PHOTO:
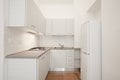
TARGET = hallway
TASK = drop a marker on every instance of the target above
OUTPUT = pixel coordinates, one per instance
(63, 76)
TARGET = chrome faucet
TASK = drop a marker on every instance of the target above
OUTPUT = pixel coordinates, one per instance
(61, 45)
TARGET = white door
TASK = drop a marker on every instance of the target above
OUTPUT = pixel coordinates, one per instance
(85, 37)
(58, 59)
(91, 64)
(84, 66)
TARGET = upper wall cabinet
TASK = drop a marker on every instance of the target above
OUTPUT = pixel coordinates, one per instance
(26, 13)
(69, 26)
(17, 13)
(60, 27)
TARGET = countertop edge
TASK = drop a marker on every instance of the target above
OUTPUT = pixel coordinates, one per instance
(36, 57)
(18, 57)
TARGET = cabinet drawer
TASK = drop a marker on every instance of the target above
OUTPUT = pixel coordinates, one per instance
(70, 57)
(71, 52)
(70, 65)
(70, 62)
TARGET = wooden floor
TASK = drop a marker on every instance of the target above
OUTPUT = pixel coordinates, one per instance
(63, 76)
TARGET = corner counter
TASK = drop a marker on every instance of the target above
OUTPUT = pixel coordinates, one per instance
(28, 65)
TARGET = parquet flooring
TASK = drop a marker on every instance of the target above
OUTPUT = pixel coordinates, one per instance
(63, 76)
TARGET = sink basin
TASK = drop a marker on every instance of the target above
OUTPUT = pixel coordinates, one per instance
(58, 47)
(63, 48)
(37, 49)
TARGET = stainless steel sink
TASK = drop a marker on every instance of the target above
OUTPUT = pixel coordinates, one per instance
(63, 48)
(37, 49)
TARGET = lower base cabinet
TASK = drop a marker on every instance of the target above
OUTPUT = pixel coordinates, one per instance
(62, 59)
(44, 62)
(27, 68)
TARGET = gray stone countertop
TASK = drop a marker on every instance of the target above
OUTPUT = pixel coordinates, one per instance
(29, 54)
(65, 48)
(37, 53)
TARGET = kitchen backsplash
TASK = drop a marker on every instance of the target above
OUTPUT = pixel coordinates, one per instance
(17, 40)
(53, 41)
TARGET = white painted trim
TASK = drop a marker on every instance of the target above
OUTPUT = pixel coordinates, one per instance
(64, 69)
(1, 40)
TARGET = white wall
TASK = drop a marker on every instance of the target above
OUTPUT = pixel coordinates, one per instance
(52, 41)
(77, 22)
(17, 40)
(94, 11)
(1, 41)
(84, 5)
(111, 39)
(56, 1)
(79, 18)
(81, 8)
(57, 10)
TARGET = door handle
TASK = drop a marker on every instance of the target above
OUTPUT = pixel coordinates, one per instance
(86, 53)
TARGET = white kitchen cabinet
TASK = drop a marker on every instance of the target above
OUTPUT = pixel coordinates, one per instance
(21, 69)
(24, 13)
(58, 59)
(70, 58)
(17, 13)
(60, 27)
(34, 17)
(91, 51)
(62, 59)
(69, 26)
(49, 27)
(77, 58)
(27, 68)
(44, 62)
(84, 67)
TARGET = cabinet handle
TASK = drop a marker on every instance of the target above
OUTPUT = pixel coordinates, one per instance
(86, 53)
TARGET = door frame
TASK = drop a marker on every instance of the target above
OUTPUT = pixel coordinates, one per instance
(1, 39)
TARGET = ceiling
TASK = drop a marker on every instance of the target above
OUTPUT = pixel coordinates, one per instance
(56, 8)
(56, 1)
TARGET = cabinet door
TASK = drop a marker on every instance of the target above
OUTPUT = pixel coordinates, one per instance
(69, 26)
(58, 26)
(42, 68)
(58, 59)
(17, 13)
(35, 19)
(83, 66)
(21, 69)
(70, 58)
(47, 63)
(77, 58)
